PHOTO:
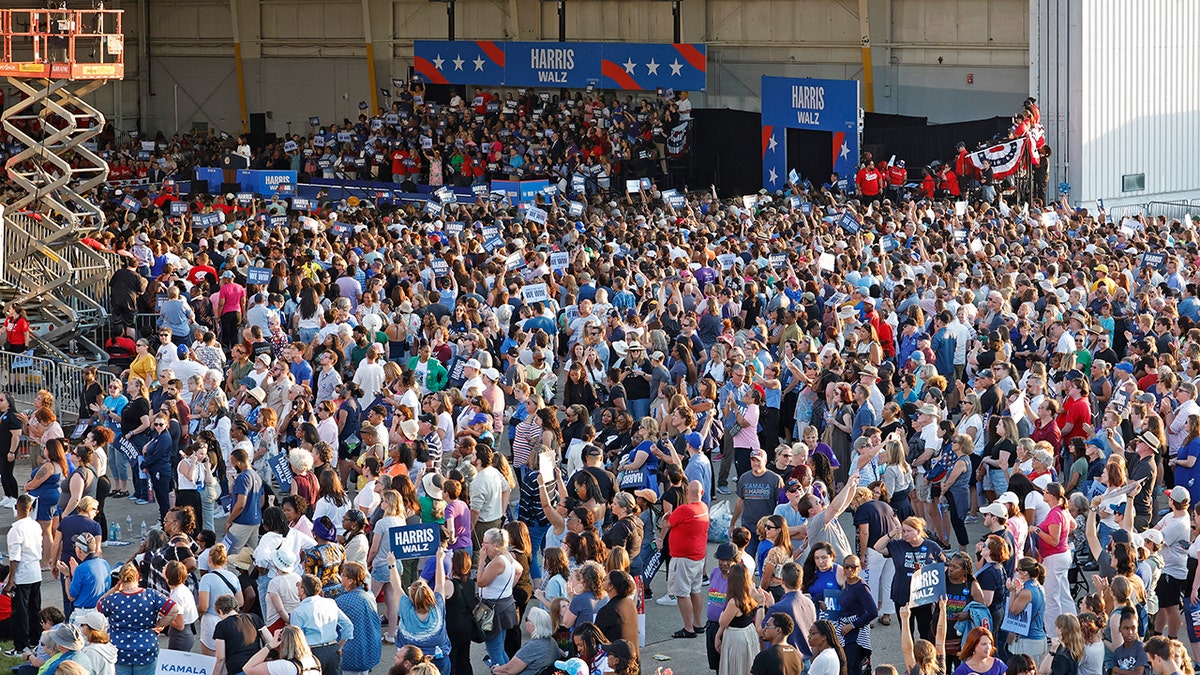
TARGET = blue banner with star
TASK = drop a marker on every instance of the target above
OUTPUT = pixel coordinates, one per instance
(805, 103)
(606, 65)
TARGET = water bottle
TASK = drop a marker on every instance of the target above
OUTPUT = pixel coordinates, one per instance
(437, 653)
(144, 532)
(129, 524)
(112, 531)
(117, 532)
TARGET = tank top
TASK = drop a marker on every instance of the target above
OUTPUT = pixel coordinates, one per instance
(64, 486)
(773, 397)
(184, 481)
(502, 585)
(1037, 627)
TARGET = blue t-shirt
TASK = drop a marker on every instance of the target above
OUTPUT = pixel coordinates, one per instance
(90, 582)
(302, 371)
(248, 483)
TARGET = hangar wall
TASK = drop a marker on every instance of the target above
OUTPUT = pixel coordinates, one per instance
(308, 57)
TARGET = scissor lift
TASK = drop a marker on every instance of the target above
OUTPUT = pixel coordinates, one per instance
(54, 58)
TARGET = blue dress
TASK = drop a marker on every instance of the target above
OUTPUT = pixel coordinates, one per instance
(131, 616)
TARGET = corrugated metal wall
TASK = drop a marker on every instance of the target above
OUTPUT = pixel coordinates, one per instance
(1116, 80)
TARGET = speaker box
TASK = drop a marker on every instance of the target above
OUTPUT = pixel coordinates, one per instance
(258, 130)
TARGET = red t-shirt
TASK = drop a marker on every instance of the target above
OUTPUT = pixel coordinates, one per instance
(1074, 411)
(689, 531)
(16, 330)
(1055, 517)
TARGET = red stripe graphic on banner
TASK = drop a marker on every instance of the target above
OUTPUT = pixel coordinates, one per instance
(766, 139)
(617, 74)
(493, 52)
(692, 56)
(424, 67)
(838, 137)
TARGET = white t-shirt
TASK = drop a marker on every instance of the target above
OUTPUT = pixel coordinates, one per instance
(825, 663)
(366, 499)
(186, 602)
(487, 494)
(281, 667)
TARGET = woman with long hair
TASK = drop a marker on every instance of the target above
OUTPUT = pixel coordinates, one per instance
(97, 440)
(381, 567)
(910, 550)
(897, 478)
(46, 485)
(778, 555)
(1067, 648)
(460, 623)
(828, 656)
(421, 620)
(737, 638)
(923, 657)
(520, 547)
(332, 500)
(294, 655)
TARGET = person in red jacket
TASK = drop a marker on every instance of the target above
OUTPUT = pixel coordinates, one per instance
(928, 186)
(948, 182)
(867, 180)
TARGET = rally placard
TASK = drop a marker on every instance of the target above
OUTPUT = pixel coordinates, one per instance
(179, 208)
(206, 220)
(440, 268)
(446, 195)
(514, 261)
(849, 223)
(559, 260)
(175, 662)
(1017, 623)
(492, 243)
(301, 204)
(532, 293)
(454, 228)
(575, 209)
(433, 208)
(779, 260)
(129, 203)
(928, 585)
(726, 260)
(127, 448)
(578, 184)
(415, 541)
(1154, 259)
(314, 121)
(480, 189)
(633, 185)
(279, 221)
(282, 470)
(290, 146)
(258, 275)
(793, 176)
(806, 208)
(536, 215)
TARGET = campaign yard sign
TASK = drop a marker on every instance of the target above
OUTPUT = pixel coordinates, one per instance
(415, 541)
(282, 470)
(1017, 624)
(258, 275)
(175, 662)
(928, 585)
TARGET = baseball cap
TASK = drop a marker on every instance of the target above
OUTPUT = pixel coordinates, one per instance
(759, 453)
(593, 451)
(694, 439)
(1121, 536)
(1153, 536)
(995, 509)
(1127, 367)
(726, 551)
(1180, 494)
(472, 363)
(1009, 498)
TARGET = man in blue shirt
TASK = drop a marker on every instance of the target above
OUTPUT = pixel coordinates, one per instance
(698, 468)
(326, 627)
(89, 573)
(797, 605)
(943, 344)
(246, 513)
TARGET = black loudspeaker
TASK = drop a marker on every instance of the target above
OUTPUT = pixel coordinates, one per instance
(258, 130)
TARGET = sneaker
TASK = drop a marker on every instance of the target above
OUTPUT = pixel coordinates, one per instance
(13, 652)
(667, 601)
(971, 519)
(724, 490)
(132, 498)
(141, 502)
(8, 502)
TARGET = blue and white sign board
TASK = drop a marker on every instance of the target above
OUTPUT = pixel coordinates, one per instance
(282, 470)
(179, 208)
(454, 228)
(849, 223)
(803, 103)
(928, 585)
(206, 220)
(609, 65)
(532, 293)
(175, 662)
(130, 203)
(301, 204)
(265, 182)
(1017, 623)
(258, 275)
(415, 541)
(440, 267)
(575, 209)
(536, 215)
(559, 260)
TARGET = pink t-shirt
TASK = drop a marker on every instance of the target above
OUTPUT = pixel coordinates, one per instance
(233, 295)
(747, 436)
(1057, 516)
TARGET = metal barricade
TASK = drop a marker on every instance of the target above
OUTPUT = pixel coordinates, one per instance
(22, 377)
(1174, 210)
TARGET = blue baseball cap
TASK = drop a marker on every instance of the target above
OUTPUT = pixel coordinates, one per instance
(695, 440)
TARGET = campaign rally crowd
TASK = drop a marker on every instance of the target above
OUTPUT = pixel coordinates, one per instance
(575, 396)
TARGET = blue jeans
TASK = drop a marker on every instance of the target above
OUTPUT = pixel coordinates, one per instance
(118, 465)
(639, 408)
(442, 664)
(147, 669)
(537, 533)
(263, 582)
(495, 648)
(307, 335)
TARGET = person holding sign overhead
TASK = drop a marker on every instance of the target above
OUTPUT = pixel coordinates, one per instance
(422, 611)
(923, 657)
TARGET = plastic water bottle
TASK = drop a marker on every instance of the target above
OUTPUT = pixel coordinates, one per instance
(437, 653)
(116, 532)
(144, 531)
(129, 525)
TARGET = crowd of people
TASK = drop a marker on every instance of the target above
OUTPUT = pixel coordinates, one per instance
(831, 387)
